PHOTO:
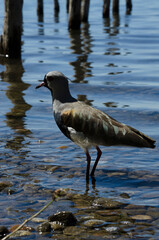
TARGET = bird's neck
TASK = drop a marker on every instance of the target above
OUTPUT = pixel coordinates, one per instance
(62, 96)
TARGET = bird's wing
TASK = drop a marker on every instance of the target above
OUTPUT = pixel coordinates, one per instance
(100, 128)
(93, 123)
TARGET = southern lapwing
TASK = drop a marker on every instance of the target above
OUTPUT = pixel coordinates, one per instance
(87, 126)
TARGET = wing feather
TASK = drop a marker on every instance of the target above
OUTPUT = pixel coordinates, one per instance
(102, 129)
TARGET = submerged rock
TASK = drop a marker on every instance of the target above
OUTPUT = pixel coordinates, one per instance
(108, 203)
(73, 231)
(38, 220)
(21, 233)
(125, 195)
(4, 185)
(93, 223)
(58, 193)
(25, 228)
(57, 226)
(112, 229)
(44, 227)
(3, 231)
(141, 217)
(67, 218)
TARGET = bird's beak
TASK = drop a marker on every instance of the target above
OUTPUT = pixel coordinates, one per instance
(40, 85)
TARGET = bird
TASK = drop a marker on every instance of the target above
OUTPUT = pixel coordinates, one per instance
(87, 126)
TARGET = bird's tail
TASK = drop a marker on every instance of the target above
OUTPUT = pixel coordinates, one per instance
(143, 140)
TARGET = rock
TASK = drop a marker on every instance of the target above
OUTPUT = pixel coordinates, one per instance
(63, 147)
(10, 191)
(125, 195)
(126, 222)
(59, 193)
(57, 226)
(151, 211)
(44, 227)
(53, 169)
(29, 187)
(67, 218)
(25, 228)
(39, 220)
(141, 217)
(4, 185)
(85, 218)
(3, 231)
(107, 203)
(114, 174)
(93, 223)
(73, 231)
(21, 233)
(112, 229)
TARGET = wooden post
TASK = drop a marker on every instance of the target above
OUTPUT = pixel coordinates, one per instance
(106, 7)
(40, 8)
(115, 7)
(56, 11)
(85, 10)
(128, 6)
(56, 6)
(67, 6)
(74, 14)
(10, 43)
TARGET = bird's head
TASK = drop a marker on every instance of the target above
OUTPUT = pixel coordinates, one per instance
(54, 80)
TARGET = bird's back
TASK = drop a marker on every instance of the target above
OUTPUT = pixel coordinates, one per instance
(100, 128)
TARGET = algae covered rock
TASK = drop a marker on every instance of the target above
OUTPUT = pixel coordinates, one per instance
(67, 218)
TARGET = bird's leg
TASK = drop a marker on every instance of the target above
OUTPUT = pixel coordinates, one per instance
(99, 153)
(88, 165)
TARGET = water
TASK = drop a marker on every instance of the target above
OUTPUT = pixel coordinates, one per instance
(114, 67)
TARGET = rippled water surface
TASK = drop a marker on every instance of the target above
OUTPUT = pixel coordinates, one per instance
(114, 66)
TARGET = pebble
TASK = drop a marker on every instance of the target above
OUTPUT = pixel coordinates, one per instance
(62, 147)
(67, 218)
(98, 218)
(21, 233)
(4, 185)
(38, 220)
(29, 187)
(125, 195)
(44, 227)
(93, 223)
(14, 227)
(107, 203)
(60, 193)
(73, 230)
(57, 226)
(125, 222)
(53, 169)
(112, 229)
(141, 217)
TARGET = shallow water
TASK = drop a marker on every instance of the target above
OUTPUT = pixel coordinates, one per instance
(113, 66)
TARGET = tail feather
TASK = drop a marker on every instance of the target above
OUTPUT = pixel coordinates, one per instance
(146, 141)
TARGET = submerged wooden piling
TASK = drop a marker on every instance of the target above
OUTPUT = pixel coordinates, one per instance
(74, 14)
(106, 8)
(84, 10)
(67, 6)
(40, 7)
(40, 11)
(56, 6)
(128, 6)
(115, 7)
(11, 37)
